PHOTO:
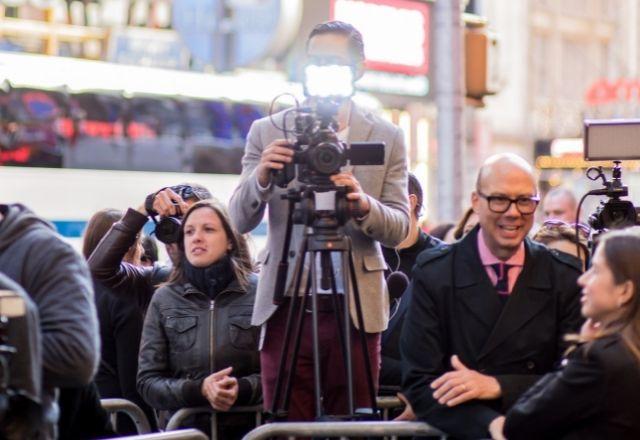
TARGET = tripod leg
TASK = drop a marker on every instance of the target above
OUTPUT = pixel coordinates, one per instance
(363, 337)
(276, 409)
(347, 333)
(296, 345)
(314, 330)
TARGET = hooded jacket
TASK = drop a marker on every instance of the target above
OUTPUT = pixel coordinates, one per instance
(57, 280)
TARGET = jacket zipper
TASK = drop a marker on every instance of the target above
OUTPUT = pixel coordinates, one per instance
(212, 338)
(212, 332)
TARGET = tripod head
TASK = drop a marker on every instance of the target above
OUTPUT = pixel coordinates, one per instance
(321, 206)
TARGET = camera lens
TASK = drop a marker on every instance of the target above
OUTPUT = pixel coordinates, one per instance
(168, 230)
(326, 158)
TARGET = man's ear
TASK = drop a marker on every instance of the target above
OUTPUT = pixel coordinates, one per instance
(475, 200)
(413, 202)
(358, 70)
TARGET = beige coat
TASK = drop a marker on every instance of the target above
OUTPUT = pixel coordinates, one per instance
(387, 222)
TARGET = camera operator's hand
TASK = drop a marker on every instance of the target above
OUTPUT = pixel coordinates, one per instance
(166, 203)
(220, 389)
(273, 157)
(355, 194)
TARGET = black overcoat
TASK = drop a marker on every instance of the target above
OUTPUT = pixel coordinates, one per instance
(456, 310)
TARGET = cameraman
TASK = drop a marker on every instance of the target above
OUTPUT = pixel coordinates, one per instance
(380, 194)
(106, 260)
(57, 280)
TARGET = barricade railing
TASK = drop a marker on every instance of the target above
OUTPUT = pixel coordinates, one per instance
(183, 434)
(115, 406)
(181, 415)
(342, 430)
(387, 403)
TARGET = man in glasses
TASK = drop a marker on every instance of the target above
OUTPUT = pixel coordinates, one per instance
(489, 312)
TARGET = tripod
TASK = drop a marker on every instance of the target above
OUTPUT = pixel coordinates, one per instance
(323, 238)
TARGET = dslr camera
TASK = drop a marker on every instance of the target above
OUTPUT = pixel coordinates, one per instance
(318, 152)
(168, 228)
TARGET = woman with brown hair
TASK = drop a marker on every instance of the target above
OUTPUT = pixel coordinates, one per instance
(561, 236)
(596, 393)
(120, 319)
(466, 223)
(198, 346)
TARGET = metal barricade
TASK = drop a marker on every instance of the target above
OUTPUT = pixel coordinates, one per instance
(115, 406)
(181, 415)
(183, 434)
(342, 430)
(387, 403)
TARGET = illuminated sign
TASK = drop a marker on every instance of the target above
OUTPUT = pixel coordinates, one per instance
(395, 32)
(394, 83)
(605, 91)
(563, 146)
(574, 161)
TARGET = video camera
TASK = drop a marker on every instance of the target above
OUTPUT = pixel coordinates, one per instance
(318, 152)
(21, 412)
(615, 140)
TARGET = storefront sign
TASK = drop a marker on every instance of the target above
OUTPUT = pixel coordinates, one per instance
(148, 47)
(395, 32)
(605, 91)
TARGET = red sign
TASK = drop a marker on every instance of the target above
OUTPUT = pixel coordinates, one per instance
(605, 91)
(395, 32)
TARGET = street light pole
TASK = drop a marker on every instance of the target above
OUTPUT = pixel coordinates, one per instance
(449, 77)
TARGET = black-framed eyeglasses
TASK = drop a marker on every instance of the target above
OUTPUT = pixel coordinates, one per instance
(501, 204)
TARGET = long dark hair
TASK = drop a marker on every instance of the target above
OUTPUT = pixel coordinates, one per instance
(239, 255)
(622, 254)
(459, 230)
(98, 226)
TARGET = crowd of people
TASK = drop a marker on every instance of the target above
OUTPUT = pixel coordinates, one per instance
(500, 333)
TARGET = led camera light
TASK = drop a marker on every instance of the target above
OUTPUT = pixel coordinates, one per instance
(328, 81)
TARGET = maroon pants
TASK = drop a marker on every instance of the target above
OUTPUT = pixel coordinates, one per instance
(332, 367)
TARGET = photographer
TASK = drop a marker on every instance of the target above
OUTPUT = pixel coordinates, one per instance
(121, 322)
(380, 194)
(57, 280)
(106, 261)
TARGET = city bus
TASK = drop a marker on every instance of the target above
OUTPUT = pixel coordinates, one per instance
(77, 136)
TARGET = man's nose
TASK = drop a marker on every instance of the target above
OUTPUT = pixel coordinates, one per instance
(513, 210)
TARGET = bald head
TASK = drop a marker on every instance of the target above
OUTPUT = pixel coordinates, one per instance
(505, 200)
(560, 204)
(499, 165)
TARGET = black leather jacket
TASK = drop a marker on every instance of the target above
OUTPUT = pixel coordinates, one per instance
(107, 267)
(187, 336)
